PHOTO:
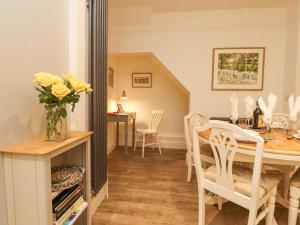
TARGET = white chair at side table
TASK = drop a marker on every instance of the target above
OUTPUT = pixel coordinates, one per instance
(151, 130)
(248, 188)
(192, 120)
(294, 199)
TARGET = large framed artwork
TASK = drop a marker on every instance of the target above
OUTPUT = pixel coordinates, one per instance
(142, 80)
(240, 69)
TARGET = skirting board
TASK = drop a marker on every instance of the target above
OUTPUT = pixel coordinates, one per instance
(169, 142)
(98, 199)
(110, 148)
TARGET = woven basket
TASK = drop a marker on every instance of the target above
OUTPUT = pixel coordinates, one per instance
(64, 177)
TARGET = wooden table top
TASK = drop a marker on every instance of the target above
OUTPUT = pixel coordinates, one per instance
(282, 146)
(42, 147)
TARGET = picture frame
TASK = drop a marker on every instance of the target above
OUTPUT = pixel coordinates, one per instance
(110, 77)
(238, 69)
(142, 80)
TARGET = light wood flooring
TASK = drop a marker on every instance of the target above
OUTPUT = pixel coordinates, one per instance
(154, 191)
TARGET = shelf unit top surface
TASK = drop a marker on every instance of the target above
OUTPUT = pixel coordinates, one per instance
(42, 147)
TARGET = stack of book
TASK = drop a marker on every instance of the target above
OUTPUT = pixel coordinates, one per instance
(66, 204)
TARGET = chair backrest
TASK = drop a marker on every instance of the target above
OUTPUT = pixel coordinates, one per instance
(280, 120)
(192, 120)
(223, 139)
(155, 119)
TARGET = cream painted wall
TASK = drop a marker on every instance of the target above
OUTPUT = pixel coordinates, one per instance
(292, 75)
(183, 42)
(77, 58)
(112, 94)
(34, 37)
(165, 94)
(289, 83)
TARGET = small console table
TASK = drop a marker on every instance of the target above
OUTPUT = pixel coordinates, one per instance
(125, 118)
(25, 171)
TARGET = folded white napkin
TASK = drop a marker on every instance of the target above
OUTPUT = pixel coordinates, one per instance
(234, 112)
(250, 106)
(268, 109)
(294, 107)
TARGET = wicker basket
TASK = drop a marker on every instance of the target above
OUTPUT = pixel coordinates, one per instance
(64, 177)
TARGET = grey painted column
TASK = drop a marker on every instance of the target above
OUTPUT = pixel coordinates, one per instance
(98, 72)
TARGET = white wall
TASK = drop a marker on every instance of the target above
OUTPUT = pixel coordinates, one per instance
(166, 94)
(77, 54)
(112, 97)
(184, 42)
(292, 71)
(291, 50)
(34, 37)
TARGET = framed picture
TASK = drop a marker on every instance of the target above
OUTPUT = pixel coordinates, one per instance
(142, 80)
(110, 77)
(240, 69)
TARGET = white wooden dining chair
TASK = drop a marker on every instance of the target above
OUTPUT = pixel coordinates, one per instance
(245, 187)
(150, 131)
(280, 120)
(294, 199)
(192, 120)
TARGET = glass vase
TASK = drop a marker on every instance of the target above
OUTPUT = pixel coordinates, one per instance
(57, 124)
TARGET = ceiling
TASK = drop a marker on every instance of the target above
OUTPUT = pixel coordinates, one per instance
(190, 5)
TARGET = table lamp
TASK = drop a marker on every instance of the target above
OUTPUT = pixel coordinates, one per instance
(119, 105)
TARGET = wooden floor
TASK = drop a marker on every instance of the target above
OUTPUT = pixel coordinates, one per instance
(154, 191)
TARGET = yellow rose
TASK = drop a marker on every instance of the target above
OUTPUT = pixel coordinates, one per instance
(60, 90)
(88, 88)
(46, 79)
(77, 84)
(67, 77)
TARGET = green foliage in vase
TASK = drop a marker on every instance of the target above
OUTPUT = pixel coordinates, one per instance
(55, 93)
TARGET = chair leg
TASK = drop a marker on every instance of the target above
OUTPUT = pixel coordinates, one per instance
(294, 204)
(252, 216)
(190, 167)
(220, 203)
(158, 143)
(152, 139)
(135, 141)
(271, 204)
(201, 200)
(143, 150)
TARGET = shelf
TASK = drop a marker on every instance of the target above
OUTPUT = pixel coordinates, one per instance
(75, 215)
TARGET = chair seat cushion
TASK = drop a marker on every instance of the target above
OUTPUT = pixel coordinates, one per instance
(296, 179)
(242, 180)
(146, 131)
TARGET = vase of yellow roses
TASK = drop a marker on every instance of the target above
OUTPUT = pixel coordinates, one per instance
(56, 93)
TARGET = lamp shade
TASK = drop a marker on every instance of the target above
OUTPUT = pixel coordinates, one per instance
(124, 96)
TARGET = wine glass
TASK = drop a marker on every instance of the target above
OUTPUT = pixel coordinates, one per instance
(268, 122)
(234, 119)
(249, 116)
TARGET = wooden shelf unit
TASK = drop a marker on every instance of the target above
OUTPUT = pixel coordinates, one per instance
(27, 177)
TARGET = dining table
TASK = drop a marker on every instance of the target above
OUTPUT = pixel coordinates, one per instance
(282, 152)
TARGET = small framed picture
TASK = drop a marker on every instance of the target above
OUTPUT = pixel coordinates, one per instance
(110, 77)
(238, 69)
(142, 80)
